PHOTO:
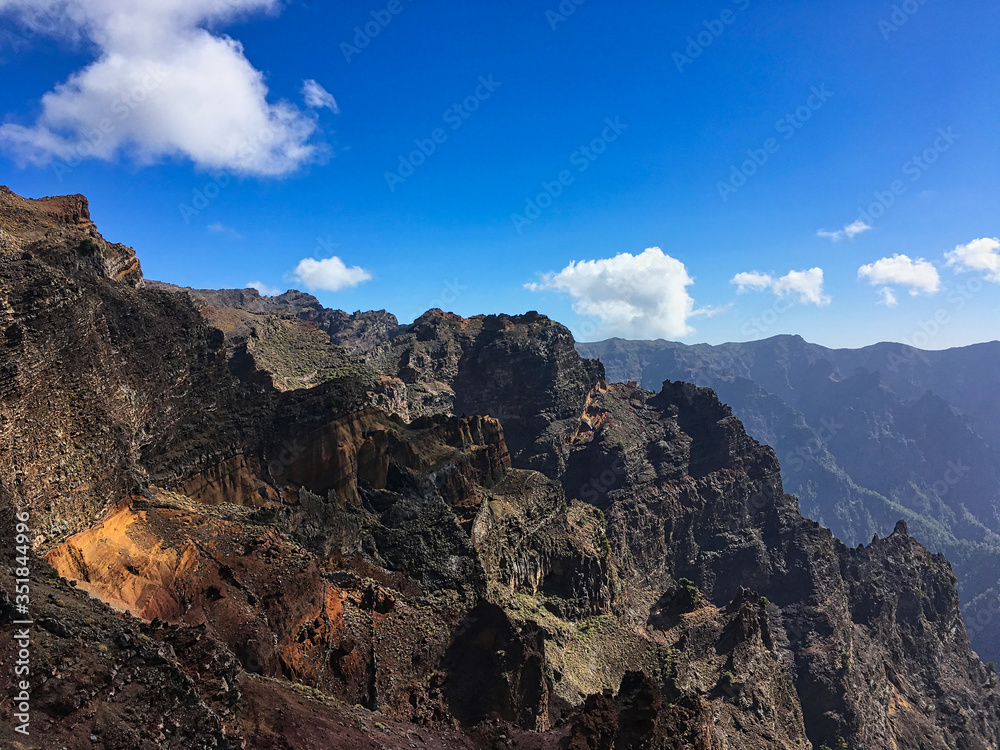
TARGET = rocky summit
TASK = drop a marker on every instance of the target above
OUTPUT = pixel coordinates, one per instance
(259, 523)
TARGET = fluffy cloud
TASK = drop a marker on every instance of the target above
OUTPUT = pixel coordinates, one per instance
(330, 274)
(318, 97)
(850, 231)
(979, 255)
(162, 86)
(808, 285)
(754, 280)
(900, 270)
(642, 295)
(264, 289)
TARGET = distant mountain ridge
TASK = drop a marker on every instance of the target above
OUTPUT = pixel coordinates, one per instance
(865, 436)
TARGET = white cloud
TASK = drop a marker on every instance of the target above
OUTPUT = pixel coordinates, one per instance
(808, 285)
(851, 231)
(855, 228)
(887, 297)
(162, 86)
(642, 295)
(329, 274)
(318, 97)
(900, 270)
(979, 255)
(264, 289)
(752, 280)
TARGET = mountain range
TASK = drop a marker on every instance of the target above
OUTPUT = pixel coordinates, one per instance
(865, 437)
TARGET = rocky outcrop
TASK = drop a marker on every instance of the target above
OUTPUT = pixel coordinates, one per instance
(522, 370)
(865, 437)
(291, 341)
(59, 231)
(98, 680)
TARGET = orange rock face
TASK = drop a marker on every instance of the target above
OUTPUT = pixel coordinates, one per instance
(236, 480)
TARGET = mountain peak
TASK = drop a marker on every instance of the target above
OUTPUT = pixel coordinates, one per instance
(58, 231)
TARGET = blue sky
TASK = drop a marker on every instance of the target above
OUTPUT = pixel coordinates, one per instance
(635, 114)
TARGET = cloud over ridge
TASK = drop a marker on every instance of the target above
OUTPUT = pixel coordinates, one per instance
(329, 274)
(642, 295)
(918, 275)
(807, 285)
(982, 254)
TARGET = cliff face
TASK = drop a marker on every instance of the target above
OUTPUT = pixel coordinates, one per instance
(521, 369)
(58, 231)
(865, 437)
(514, 554)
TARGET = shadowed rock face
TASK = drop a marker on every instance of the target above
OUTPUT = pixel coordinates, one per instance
(865, 437)
(520, 369)
(515, 555)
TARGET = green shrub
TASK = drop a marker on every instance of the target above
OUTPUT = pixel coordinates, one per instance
(845, 661)
(691, 592)
(603, 545)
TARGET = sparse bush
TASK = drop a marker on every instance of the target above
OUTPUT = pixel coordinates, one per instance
(88, 247)
(691, 592)
(845, 661)
(602, 544)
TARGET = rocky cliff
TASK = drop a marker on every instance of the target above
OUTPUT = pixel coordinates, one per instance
(866, 437)
(456, 535)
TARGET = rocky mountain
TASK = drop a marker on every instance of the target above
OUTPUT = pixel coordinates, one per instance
(866, 437)
(258, 523)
